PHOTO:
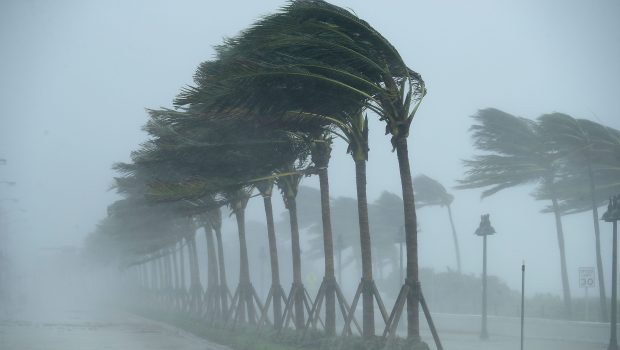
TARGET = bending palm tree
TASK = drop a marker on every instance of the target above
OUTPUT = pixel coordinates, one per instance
(517, 154)
(430, 192)
(581, 143)
(309, 47)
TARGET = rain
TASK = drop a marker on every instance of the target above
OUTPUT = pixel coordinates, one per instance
(309, 174)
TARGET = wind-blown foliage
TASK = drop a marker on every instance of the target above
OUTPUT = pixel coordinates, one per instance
(429, 192)
(516, 153)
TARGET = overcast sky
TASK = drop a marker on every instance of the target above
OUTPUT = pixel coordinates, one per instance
(76, 76)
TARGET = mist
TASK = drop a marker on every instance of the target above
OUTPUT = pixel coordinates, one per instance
(78, 78)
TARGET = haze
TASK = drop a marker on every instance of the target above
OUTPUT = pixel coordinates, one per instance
(76, 77)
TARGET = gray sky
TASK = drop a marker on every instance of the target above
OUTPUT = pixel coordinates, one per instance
(77, 75)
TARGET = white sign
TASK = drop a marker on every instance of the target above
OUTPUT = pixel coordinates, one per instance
(586, 277)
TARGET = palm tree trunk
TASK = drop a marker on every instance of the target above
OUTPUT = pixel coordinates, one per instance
(145, 276)
(296, 251)
(212, 278)
(599, 261)
(411, 238)
(560, 236)
(245, 294)
(162, 275)
(153, 275)
(368, 326)
(457, 250)
(195, 269)
(182, 263)
(222, 265)
(328, 249)
(195, 287)
(275, 268)
(170, 269)
(175, 269)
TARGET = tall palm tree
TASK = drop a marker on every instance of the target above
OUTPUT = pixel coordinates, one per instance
(289, 185)
(581, 144)
(321, 154)
(516, 153)
(276, 293)
(212, 308)
(430, 192)
(309, 46)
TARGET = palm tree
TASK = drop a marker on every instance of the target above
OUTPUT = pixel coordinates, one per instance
(430, 192)
(212, 309)
(581, 142)
(289, 185)
(276, 293)
(516, 154)
(587, 150)
(310, 46)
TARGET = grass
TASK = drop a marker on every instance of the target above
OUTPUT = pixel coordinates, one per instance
(246, 337)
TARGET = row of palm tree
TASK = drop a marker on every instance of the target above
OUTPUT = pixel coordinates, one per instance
(265, 112)
(575, 164)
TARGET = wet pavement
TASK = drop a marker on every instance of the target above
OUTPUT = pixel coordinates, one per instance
(57, 327)
(92, 329)
(462, 332)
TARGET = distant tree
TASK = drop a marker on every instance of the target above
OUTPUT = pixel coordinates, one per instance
(429, 192)
(585, 147)
(516, 153)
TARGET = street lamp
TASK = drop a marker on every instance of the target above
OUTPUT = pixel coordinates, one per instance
(485, 229)
(613, 215)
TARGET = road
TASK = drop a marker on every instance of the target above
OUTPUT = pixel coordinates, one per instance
(56, 327)
(461, 332)
(92, 329)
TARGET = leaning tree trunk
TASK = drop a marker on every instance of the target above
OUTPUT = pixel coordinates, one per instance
(182, 265)
(275, 269)
(222, 265)
(560, 235)
(457, 250)
(328, 249)
(244, 271)
(212, 278)
(368, 327)
(599, 261)
(195, 286)
(411, 238)
(296, 252)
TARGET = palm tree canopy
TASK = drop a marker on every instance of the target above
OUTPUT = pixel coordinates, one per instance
(516, 153)
(429, 191)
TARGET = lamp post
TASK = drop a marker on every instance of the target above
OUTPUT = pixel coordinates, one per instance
(613, 215)
(485, 229)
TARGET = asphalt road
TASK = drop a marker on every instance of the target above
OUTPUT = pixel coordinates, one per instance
(462, 332)
(92, 329)
(54, 327)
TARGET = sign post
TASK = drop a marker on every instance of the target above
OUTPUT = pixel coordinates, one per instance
(586, 280)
